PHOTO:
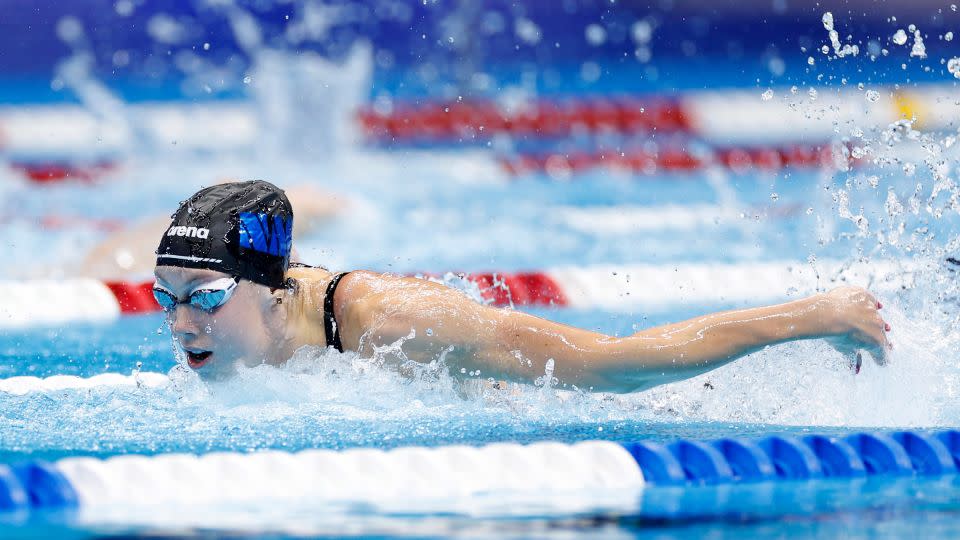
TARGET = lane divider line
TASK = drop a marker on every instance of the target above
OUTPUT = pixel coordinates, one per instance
(438, 473)
(615, 288)
(23, 385)
(727, 116)
(683, 160)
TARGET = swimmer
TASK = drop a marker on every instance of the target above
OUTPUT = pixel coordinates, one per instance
(232, 297)
(128, 253)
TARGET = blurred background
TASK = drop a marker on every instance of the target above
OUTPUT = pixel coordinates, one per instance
(202, 50)
(461, 128)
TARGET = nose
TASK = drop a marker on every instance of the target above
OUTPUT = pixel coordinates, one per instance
(183, 323)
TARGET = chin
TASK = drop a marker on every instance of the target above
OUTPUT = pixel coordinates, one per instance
(252, 363)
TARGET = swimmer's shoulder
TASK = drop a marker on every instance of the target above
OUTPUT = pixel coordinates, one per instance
(315, 281)
(308, 274)
(358, 291)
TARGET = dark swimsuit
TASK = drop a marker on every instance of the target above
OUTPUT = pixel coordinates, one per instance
(330, 326)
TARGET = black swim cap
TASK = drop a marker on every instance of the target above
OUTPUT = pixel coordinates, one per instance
(244, 229)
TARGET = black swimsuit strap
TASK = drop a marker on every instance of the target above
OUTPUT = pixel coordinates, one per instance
(329, 321)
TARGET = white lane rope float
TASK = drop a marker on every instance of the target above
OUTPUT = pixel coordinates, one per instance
(103, 489)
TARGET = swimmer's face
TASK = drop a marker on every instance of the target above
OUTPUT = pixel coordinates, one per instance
(238, 332)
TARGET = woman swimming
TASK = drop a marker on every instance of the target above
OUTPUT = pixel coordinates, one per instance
(232, 298)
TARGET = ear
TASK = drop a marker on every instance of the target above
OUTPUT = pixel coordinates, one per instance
(277, 303)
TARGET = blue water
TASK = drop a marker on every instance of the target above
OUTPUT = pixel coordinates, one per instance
(418, 211)
(326, 402)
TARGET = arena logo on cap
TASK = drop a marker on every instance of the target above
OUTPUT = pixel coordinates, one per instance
(192, 232)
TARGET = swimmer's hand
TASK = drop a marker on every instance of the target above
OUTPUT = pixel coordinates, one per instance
(854, 324)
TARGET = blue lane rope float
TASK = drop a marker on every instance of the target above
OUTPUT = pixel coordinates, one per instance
(837, 458)
(461, 470)
(747, 460)
(881, 454)
(45, 486)
(13, 496)
(792, 459)
(927, 454)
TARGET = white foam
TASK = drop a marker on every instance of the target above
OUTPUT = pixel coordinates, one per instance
(810, 384)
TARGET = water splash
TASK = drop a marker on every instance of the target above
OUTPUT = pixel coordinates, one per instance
(807, 383)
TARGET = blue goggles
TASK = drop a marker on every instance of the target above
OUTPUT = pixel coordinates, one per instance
(207, 297)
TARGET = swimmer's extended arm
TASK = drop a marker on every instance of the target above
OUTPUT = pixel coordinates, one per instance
(514, 345)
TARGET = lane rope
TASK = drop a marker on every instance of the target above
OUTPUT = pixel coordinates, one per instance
(23, 385)
(614, 288)
(421, 473)
(679, 159)
(727, 116)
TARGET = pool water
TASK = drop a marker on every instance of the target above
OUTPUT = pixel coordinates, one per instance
(451, 208)
(327, 400)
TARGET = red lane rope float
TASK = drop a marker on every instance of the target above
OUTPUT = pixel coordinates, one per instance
(53, 172)
(134, 297)
(640, 160)
(546, 118)
(677, 159)
(517, 289)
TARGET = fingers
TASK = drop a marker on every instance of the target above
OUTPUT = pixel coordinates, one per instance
(872, 336)
(879, 355)
(849, 351)
(881, 351)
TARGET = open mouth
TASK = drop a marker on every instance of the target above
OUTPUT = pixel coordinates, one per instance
(198, 359)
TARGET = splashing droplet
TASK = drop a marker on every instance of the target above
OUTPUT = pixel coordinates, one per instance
(828, 20)
(953, 66)
(918, 50)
